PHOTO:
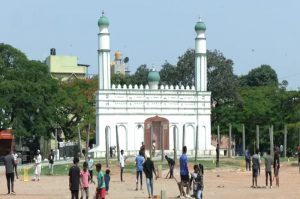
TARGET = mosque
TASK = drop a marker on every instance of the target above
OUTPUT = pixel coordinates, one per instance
(169, 115)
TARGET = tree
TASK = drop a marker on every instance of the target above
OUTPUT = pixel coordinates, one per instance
(140, 76)
(76, 105)
(262, 76)
(27, 94)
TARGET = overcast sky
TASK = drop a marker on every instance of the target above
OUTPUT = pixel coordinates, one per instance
(250, 33)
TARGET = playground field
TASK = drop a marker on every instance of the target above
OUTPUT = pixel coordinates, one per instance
(219, 184)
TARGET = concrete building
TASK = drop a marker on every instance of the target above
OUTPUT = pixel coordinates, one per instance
(169, 115)
(65, 68)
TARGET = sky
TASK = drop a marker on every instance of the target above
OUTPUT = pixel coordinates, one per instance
(250, 33)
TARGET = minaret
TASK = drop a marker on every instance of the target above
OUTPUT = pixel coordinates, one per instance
(200, 57)
(103, 73)
(103, 53)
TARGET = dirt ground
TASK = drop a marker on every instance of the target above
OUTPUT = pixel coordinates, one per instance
(219, 184)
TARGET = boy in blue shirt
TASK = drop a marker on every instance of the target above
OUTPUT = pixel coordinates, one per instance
(139, 160)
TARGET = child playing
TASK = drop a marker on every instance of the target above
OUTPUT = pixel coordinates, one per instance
(197, 179)
(100, 192)
(84, 181)
(106, 180)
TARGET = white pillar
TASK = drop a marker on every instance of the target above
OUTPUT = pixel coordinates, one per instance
(200, 58)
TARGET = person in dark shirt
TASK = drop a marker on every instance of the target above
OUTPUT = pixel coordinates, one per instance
(148, 168)
(248, 160)
(74, 179)
(107, 180)
(171, 164)
(255, 169)
(9, 171)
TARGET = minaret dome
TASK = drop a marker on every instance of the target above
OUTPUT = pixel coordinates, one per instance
(103, 21)
(200, 26)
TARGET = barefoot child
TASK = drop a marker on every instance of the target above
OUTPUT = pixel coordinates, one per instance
(84, 181)
(100, 192)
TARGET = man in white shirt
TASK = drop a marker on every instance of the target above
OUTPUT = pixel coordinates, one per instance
(122, 164)
(38, 166)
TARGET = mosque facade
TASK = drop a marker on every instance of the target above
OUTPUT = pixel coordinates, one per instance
(170, 116)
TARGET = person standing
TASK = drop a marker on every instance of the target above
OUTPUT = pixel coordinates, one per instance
(197, 179)
(100, 193)
(171, 164)
(51, 161)
(16, 164)
(91, 167)
(268, 168)
(84, 181)
(217, 155)
(255, 169)
(139, 160)
(148, 168)
(142, 149)
(248, 160)
(276, 165)
(38, 166)
(122, 164)
(107, 180)
(184, 173)
(9, 172)
(74, 179)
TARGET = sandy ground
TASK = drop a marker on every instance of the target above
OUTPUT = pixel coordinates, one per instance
(231, 184)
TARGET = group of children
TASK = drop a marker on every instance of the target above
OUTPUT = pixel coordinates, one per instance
(80, 180)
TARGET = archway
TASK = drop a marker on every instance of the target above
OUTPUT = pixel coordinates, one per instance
(159, 125)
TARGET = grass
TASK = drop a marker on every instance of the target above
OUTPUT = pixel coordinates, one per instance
(228, 163)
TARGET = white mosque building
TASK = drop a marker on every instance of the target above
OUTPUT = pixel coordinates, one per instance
(174, 115)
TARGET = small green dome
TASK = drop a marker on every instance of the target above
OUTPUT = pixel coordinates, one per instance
(103, 21)
(153, 76)
(200, 26)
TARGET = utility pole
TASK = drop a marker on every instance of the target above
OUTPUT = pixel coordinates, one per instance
(229, 143)
(244, 140)
(79, 141)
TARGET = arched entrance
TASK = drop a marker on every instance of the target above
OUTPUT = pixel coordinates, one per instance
(160, 131)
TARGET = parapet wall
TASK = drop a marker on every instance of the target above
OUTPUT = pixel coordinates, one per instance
(161, 87)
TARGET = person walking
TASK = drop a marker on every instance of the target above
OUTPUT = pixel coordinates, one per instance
(171, 164)
(255, 169)
(51, 161)
(148, 168)
(139, 160)
(91, 167)
(268, 168)
(122, 164)
(74, 179)
(276, 165)
(184, 173)
(9, 172)
(248, 160)
(38, 166)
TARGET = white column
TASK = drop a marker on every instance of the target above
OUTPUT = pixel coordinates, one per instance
(200, 62)
(104, 58)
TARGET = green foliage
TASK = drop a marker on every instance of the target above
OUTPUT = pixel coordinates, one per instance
(261, 76)
(76, 106)
(27, 94)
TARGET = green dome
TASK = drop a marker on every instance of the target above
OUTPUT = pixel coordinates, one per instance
(153, 76)
(103, 21)
(200, 26)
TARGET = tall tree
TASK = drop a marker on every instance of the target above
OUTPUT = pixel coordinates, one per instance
(27, 94)
(262, 76)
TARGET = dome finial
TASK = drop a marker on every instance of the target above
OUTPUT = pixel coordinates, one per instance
(102, 13)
